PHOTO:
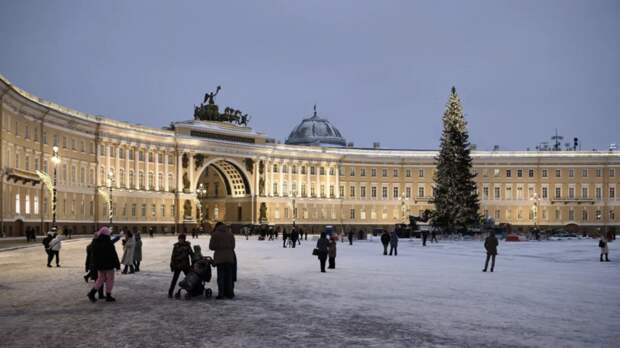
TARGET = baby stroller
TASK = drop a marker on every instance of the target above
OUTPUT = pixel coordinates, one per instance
(194, 281)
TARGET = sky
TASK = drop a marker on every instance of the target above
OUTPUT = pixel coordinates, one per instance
(380, 71)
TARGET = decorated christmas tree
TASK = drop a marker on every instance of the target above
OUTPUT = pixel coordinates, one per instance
(455, 199)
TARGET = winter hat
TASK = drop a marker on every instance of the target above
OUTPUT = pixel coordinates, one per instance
(104, 231)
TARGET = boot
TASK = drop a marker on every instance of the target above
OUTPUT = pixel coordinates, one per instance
(606, 258)
(601, 257)
(101, 295)
(91, 295)
(109, 298)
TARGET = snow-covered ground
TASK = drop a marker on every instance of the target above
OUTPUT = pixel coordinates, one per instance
(543, 294)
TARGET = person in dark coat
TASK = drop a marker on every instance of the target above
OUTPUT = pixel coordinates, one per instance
(434, 236)
(385, 240)
(322, 246)
(490, 244)
(284, 238)
(223, 245)
(424, 237)
(179, 261)
(137, 253)
(394, 243)
(603, 245)
(294, 236)
(89, 266)
(350, 235)
(105, 261)
(331, 253)
(46, 244)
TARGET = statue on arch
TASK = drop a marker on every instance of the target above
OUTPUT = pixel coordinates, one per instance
(208, 99)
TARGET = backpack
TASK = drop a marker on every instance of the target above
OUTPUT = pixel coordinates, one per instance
(601, 244)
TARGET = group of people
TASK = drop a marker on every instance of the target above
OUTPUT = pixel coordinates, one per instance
(391, 239)
(326, 250)
(224, 258)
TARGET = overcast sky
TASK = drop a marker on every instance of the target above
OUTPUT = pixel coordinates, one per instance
(378, 70)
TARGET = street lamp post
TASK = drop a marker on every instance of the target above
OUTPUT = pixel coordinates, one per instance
(55, 161)
(535, 200)
(403, 207)
(110, 184)
(201, 193)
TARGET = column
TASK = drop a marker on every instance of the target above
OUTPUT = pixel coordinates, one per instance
(281, 176)
(136, 171)
(179, 171)
(255, 192)
(337, 188)
(329, 167)
(308, 180)
(117, 165)
(191, 172)
(127, 183)
(166, 183)
(107, 165)
(318, 178)
(289, 172)
(156, 178)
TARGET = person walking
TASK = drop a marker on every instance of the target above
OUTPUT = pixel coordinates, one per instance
(490, 244)
(151, 231)
(137, 253)
(46, 245)
(105, 261)
(322, 246)
(603, 244)
(331, 253)
(434, 236)
(180, 259)
(424, 237)
(394, 243)
(350, 235)
(294, 236)
(385, 240)
(284, 237)
(223, 245)
(91, 270)
(129, 244)
(54, 247)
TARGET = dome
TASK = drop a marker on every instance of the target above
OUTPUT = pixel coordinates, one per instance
(316, 131)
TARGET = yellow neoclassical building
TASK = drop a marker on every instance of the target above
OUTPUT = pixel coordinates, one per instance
(210, 170)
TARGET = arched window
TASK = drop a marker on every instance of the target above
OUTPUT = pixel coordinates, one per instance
(160, 181)
(141, 180)
(121, 177)
(151, 183)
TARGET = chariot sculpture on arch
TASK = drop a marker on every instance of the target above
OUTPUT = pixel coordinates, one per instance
(209, 111)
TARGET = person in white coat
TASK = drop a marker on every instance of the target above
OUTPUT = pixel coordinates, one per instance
(54, 250)
(129, 244)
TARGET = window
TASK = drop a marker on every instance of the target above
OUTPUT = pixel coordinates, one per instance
(584, 172)
(151, 158)
(384, 172)
(331, 191)
(421, 191)
(530, 173)
(141, 180)
(312, 170)
(558, 173)
(373, 172)
(384, 192)
(363, 172)
(558, 192)
(321, 170)
(170, 182)
(496, 192)
(408, 192)
(408, 173)
(421, 173)
(612, 193)
(363, 191)
(143, 210)
(322, 187)
(612, 172)
(312, 190)
(373, 192)
(352, 171)
(351, 191)
(131, 154)
(519, 173)
(36, 205)
(571, 173)
(151, 183)
(395, 173)
(545, 193)
(163, 210)
(17, 205)
(332, 171)
(153, 210)
(508, 193)
(303, 189)
(599, 193)
(584, 192)
(519, 192)
(27, 202)
(133, 210)
(141, 155)
(395, 191)
(294, 169)
(352, 213)
(571, 192)
(544, 173)
(275, 188)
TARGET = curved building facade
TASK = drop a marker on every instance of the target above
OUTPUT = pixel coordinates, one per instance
(206, 171)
